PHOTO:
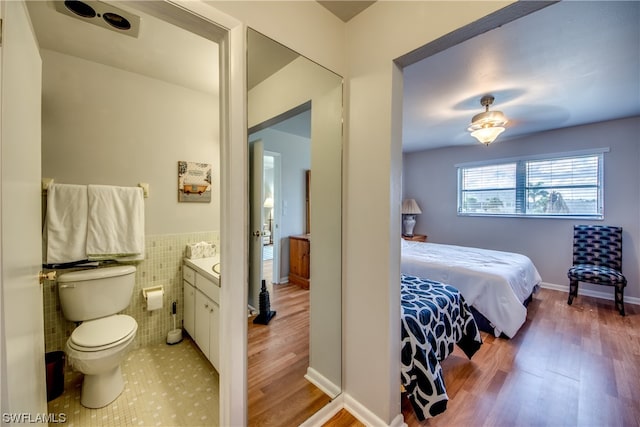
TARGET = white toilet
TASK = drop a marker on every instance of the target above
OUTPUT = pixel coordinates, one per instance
(98, 345)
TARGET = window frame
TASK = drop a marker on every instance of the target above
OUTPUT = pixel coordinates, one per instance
(520, 184)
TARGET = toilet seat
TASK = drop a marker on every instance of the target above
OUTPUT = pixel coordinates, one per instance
(102, 334)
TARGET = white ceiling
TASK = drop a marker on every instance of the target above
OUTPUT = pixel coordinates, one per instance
(568, 64)
(571, 63)
(162, 51)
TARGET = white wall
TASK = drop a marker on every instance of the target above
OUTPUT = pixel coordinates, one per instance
(431, 178)
(380, 34)
(303, 26)
(102, 125)
(293, 85)
(295, 160)
(375, 38)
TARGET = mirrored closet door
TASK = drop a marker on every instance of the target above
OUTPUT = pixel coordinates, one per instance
(295, 111)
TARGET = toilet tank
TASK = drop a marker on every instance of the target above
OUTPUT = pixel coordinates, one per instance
(95, 293)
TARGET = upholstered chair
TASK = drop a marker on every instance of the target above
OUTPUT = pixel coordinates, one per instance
(597, 258)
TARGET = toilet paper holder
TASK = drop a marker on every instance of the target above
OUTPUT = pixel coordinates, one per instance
(145, 291)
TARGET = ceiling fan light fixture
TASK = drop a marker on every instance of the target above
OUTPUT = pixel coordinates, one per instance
(486, 126)
(487, 135)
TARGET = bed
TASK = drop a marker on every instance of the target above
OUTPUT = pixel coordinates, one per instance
(435, 318)
(495, 284)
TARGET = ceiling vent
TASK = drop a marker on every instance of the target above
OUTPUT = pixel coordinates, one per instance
(101, 14)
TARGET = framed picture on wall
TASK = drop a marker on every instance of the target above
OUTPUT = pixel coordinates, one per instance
(194, 182)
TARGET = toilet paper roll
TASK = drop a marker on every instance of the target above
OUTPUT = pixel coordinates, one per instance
(154, 300)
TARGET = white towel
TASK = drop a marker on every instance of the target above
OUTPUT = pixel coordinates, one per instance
(66, 223)
(115, 228)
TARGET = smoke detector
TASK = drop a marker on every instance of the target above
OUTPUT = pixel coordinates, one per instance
(101, 14)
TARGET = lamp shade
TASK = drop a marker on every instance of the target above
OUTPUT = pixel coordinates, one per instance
(410, 207)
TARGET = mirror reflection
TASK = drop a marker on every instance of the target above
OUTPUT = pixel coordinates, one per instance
(294, 298)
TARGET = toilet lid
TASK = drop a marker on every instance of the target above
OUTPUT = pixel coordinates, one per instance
(104, 331)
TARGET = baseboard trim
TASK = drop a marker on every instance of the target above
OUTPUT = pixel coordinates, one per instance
(355, 408)
(325, 413)
(398, 421)
(320, 381)
(365, 416)
(589, 293)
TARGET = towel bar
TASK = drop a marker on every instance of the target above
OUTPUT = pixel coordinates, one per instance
(46, 182)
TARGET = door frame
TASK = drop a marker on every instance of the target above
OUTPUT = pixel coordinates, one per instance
(277, 212)
(256, 221)
(230, 34)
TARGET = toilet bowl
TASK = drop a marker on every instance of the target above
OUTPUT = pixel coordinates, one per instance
(99, 344)
(96, 348)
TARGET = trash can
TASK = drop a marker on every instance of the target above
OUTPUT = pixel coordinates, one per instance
(55, 374)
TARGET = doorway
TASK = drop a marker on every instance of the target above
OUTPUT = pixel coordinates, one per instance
(271, 239)
(124, 140)
(278, 353)
(286, 158)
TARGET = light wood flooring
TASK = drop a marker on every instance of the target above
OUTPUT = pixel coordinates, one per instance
(575, 365)
(278, 357)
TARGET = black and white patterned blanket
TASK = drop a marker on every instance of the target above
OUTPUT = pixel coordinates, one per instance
(434, 318)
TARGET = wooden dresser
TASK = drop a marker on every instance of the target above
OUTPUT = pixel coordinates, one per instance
(299, 259)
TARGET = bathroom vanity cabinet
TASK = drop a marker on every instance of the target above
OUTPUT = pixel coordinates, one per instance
(202, 308)
(207, 314)
(189, 322)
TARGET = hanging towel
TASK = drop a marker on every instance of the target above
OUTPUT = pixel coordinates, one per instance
(115, 228)
(65, 232)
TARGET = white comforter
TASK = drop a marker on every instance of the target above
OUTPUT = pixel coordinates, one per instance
(495, 283)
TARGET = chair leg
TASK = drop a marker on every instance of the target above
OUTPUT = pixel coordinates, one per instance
(619, 297)
(573, 290)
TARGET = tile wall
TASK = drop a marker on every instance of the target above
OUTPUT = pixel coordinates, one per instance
(162, 266)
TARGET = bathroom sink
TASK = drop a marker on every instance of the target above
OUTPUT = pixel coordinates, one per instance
(216, 268)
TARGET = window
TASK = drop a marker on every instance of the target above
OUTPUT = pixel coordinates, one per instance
(562, 185)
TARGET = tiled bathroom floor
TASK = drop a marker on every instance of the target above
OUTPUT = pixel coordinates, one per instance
(165, 385)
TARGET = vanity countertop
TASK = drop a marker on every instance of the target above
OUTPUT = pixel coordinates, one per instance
(204, 266)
